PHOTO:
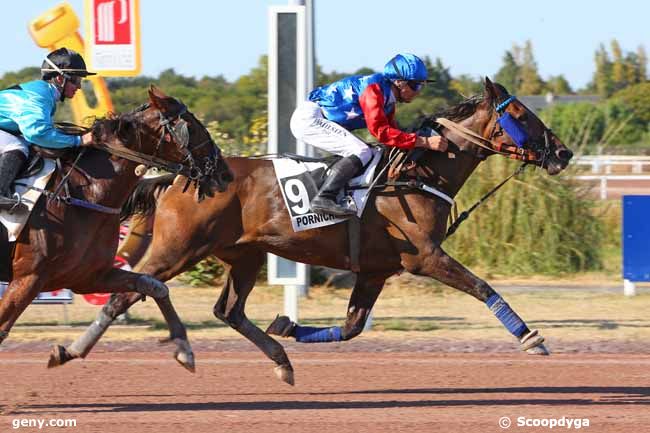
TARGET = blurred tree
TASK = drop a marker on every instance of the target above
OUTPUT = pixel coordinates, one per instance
(531, 83)
(619, 67)
(558, 85)
(643, 63)
(602, 81)
(466, 86)
(508, 74)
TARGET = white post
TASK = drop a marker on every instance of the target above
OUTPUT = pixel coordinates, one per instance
(629, 288)
(603, 188)
(291, 293)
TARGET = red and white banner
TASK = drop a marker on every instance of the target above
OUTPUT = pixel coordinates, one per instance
(113, 37)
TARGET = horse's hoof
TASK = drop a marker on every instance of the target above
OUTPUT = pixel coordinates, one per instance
(184, 355)
(59, 355)
(532, 343)
(538, 350)
(285, 373)
(281, 326)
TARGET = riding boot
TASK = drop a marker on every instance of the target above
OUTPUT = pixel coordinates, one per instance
(10, 164)
(340, 173)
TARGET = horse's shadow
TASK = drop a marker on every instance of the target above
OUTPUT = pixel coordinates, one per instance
(613, 395)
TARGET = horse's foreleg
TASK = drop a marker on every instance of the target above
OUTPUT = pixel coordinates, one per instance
(19, 294)
(230, 308)
(364, 295)
(442, 267)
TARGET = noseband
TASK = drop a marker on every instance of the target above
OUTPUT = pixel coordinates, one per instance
(515, 130)
(178, 130)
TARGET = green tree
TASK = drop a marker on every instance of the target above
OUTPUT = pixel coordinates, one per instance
(531, 83)
(466, 86)
(619, 67)
(643, 63)
(508, 74)
(558, 85)
(602, 81)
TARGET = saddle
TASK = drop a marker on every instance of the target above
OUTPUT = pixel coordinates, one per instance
(32, 167)
(319, 175)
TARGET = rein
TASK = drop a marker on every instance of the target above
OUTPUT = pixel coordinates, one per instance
(465, 214)
(513, 152)
(175, 126)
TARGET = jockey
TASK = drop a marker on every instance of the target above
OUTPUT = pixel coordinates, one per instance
(26, 116)
(333, 110)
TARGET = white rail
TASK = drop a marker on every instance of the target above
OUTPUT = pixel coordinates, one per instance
(597, 162)
(603, 178)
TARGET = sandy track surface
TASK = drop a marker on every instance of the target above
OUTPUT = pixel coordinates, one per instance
(364, 386)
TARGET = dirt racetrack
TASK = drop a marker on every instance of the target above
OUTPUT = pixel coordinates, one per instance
(364, 386)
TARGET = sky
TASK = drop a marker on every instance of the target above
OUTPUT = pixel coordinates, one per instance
(219, 37)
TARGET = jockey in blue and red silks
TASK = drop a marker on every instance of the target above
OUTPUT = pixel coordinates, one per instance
(368, 101)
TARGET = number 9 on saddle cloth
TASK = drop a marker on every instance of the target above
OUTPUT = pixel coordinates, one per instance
(300, 179)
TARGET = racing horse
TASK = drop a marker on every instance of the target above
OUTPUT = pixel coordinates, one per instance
(71, 236)
(402, 228)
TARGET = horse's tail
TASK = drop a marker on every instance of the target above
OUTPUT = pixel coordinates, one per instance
(143, 198)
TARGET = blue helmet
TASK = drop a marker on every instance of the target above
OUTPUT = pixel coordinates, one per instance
(406, 67)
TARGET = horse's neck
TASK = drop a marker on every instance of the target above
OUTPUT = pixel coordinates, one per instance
(449, 171)
(102, 179)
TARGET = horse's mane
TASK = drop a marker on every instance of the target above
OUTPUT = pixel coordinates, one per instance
(460, 111)
(114, 122)
(467, 107)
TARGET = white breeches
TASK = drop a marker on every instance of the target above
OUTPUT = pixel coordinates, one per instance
(309, 125)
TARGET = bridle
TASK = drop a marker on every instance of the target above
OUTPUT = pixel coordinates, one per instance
(503, 122)
(178, 130)
(539, 152)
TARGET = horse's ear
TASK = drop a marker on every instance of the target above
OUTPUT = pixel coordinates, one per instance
(491, 94)
(158, 98)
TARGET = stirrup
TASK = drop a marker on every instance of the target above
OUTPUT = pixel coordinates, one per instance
(331, 207)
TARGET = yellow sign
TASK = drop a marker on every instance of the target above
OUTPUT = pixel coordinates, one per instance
(113, 36)
(57, 28)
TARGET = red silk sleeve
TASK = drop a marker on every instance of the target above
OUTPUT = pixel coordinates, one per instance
(378, 124)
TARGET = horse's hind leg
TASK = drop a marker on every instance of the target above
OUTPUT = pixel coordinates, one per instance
(364, 295)
(81, 347)
(119, 304)
(444, 268)
(230, 308)
(117, 281)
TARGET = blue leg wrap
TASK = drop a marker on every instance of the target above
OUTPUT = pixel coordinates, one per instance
(307, 334)
(504, 313)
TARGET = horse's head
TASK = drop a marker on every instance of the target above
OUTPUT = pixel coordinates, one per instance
(182, 138)
(516, 131)
(164, 134)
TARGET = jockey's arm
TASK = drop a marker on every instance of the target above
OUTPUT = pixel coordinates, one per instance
(378, 124)
(35, 123)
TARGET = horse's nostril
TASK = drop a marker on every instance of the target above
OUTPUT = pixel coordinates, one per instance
(564, 154)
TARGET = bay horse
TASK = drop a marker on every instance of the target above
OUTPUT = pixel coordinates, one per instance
(71, 236)
(402, 229)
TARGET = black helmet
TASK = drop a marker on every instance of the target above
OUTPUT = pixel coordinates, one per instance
(64, 61)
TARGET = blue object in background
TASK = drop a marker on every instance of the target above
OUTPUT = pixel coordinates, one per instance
(636, 237)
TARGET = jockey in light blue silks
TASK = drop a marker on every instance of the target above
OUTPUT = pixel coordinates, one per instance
(333, 110)
(26, 116)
